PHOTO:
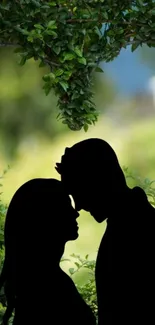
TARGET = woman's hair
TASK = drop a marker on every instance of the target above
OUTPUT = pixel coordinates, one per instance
(34, 207)
(39, 195)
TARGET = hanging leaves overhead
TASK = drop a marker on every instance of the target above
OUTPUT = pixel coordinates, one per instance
(72, 38)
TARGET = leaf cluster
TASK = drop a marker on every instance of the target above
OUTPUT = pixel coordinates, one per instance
(73, 37)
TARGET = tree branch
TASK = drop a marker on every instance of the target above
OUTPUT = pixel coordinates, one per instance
(89, 20)
(46, 61)
(72, 21)
(8, 44)
(50, 63)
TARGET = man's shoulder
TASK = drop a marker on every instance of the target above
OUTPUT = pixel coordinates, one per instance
(139, 193)
(140, 199)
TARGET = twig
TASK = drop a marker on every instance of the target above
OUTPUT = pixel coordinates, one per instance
(72, 21)
(89, 20)
(50, 63)
(44, 60)
(8, 44)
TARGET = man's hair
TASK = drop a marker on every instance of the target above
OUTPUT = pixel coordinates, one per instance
(91, 156)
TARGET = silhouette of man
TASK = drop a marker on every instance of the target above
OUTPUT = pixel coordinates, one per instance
(125, 270)
(40, 220)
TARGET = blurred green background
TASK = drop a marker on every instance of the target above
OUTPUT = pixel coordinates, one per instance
(32, 140)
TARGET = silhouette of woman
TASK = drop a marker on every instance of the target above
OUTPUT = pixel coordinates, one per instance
(40, 220)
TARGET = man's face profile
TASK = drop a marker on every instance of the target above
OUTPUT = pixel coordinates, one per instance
(74, 187)
(87, 170)
(82, 190)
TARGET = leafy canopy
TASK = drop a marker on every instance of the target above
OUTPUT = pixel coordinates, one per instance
(73, 37)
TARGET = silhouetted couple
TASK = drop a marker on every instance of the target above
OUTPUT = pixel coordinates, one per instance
(91, 173)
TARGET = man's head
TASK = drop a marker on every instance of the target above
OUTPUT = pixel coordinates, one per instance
(91, 173)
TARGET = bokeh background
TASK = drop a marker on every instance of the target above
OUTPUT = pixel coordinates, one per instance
(32, 139)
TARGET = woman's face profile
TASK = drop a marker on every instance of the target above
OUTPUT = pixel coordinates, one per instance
(67, 222)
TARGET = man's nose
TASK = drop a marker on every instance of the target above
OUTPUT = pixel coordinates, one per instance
(77, 214)
(77, 206)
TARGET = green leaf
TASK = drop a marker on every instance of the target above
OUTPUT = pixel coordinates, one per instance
(85, 127)
(47, 89)
(71, 271)
(49, 76)
(120, 31)
(68, 57)
(52, 4)
(38, 26)
(64, 85)
(6, 7)
(51, 32)
(75, 95)
(111, 32)
(71, 46)
(51, 24)
(45, 7)
(30, 38)
(78, 82)
(141, 3)
(105, 15)
(58, 72)
(78, 52)
(46, 77)
(86, 16)
(42, 64)
(22, 30)
(92, 64)
(22, 61)
(77, 264)
(97, 31)
(152, 11)
(83, 31)
(19, 50)
(56, 49)
(135, 46)
(68, 112)
(35, 3)
(153, 36)
(67, 75)
(98, 69)
(82, 61)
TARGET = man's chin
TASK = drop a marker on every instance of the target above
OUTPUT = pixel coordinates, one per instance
(74, 236)
(98, 217)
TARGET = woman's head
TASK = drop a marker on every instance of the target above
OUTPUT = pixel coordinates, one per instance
(53, 205)
(45, 210)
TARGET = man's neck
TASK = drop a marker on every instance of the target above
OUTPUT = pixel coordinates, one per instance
(120, 207)
(129, 206)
